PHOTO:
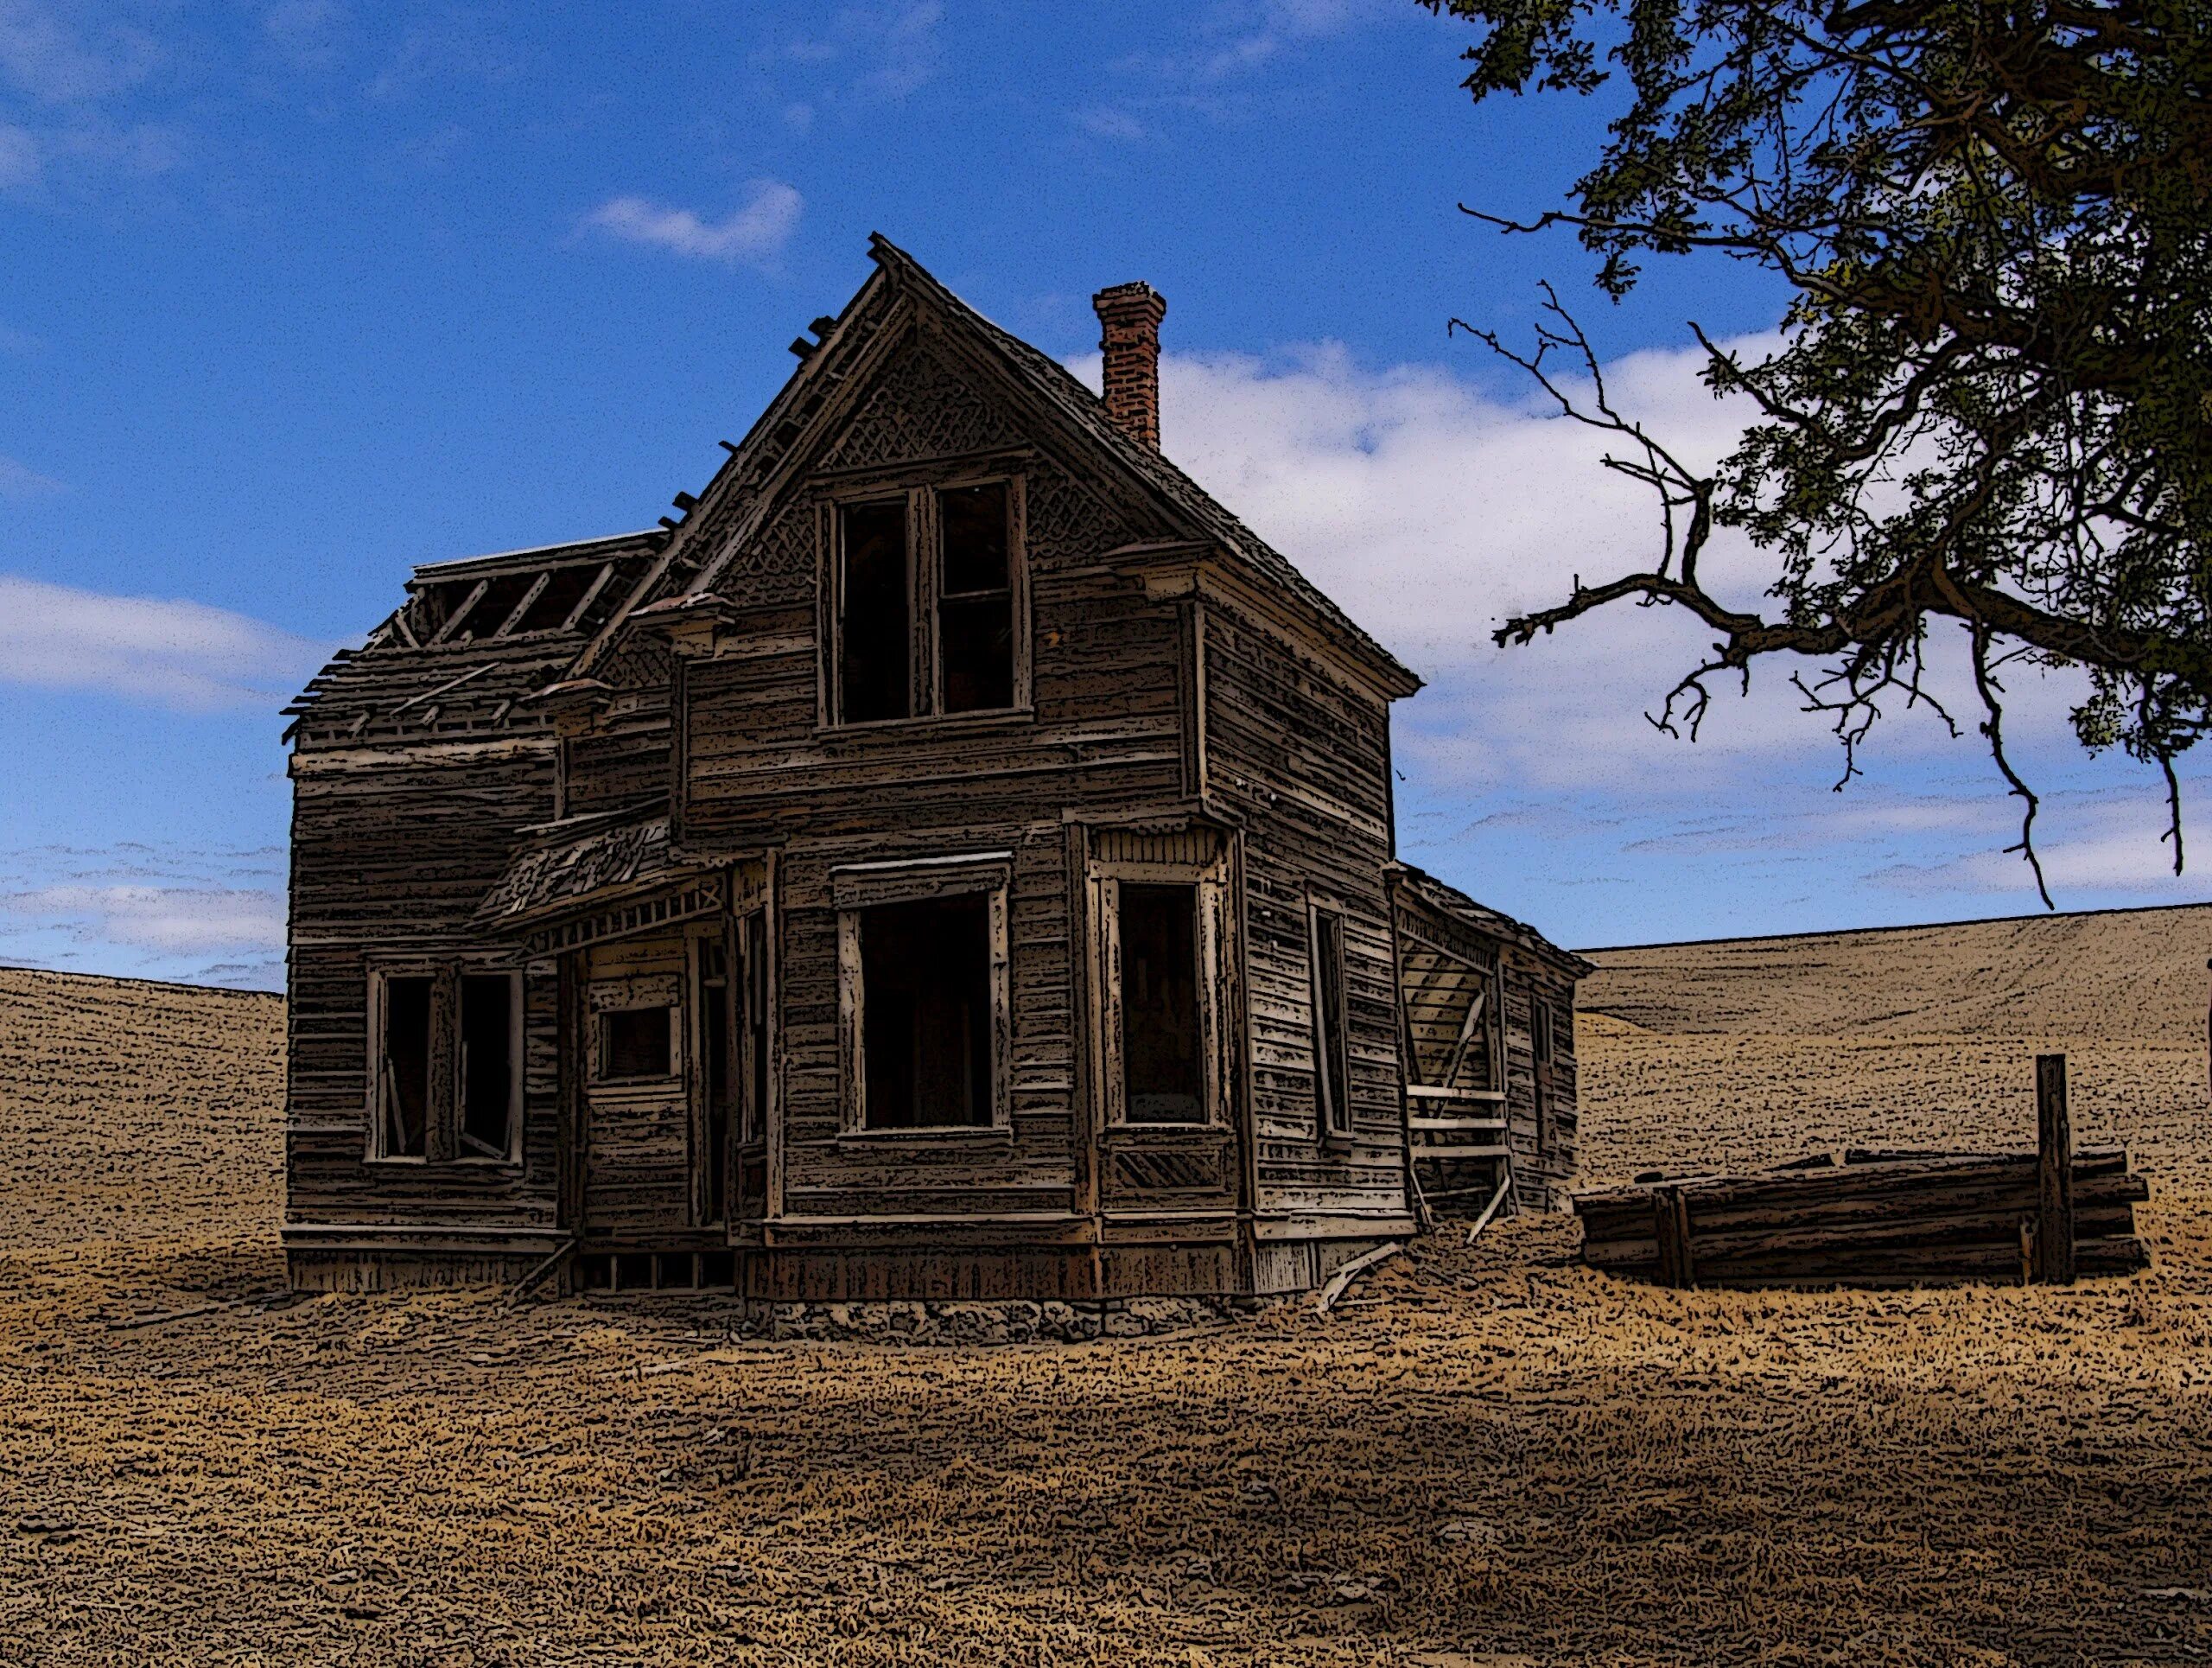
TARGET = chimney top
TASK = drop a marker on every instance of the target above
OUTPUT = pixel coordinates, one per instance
(1129, 317)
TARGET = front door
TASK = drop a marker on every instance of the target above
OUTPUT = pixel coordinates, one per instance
(638, 1169)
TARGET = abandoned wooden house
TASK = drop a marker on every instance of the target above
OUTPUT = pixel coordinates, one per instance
(952, 857)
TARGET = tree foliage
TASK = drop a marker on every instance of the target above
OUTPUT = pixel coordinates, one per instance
(1993, 405)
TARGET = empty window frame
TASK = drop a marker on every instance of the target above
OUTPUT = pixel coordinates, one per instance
(923, 995)
(1163, 1056)
(489, 1114)
(926, 1028)
(948, 559)
(636, 1044)
(875, 629)
(403, 1074)
(1158, 992)
(974, 603)
(1331, 1073)
(445, 1064)
(1452, 1019)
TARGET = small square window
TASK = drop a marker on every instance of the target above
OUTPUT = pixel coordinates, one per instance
(636, 1042)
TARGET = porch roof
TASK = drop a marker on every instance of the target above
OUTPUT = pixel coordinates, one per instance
(579, 863)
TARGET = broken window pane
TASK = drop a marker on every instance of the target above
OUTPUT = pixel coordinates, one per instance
(1329, 1021)
(1163, 1078)
(975, 609)
(925, 1005)
(975, 636)
(973, 523)
(487, 1065)
(875, 642)
(404, 1069)
(634, 1042)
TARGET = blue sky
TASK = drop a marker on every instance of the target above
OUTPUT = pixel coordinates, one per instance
(300, 293)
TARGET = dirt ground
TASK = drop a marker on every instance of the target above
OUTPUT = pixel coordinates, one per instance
(1489, 1454)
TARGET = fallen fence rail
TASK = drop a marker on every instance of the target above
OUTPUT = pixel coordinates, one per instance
(1884, 1218)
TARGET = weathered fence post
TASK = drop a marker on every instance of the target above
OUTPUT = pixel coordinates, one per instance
(2054, 1241)
(1670, 1223)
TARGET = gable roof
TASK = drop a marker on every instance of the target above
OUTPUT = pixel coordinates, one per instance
(745, 486)
(396, 679)
(1054, 384)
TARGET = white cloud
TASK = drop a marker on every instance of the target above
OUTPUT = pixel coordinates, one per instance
(66, 54)
(886, 49)
(167, 919)
(20, 481)
(1431, 506)
(209, 915)
(174, 652)
(752, 236)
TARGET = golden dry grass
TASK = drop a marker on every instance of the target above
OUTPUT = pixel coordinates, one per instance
(1489, 1456)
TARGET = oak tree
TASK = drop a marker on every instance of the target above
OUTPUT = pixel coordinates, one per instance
(1993, 401)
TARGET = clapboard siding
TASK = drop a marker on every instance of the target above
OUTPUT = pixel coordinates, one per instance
(390, 856)
(1303, 761)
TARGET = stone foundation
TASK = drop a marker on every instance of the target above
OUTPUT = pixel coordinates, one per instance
(992, 1322)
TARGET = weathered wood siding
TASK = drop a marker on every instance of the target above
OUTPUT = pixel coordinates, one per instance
(392, 849)
(1303, 759)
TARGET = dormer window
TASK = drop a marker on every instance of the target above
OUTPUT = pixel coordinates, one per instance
(927, 604)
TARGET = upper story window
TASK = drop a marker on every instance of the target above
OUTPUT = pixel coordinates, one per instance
(928, 606)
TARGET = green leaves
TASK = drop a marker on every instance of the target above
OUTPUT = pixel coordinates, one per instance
(1994, 398)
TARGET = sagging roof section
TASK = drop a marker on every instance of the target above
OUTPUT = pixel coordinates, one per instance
(586, 859)
(473, 640)
(1424, 888)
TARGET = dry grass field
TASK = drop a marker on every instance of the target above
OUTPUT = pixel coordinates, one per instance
(1490, 1455)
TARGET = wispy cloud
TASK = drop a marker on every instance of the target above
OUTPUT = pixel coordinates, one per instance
(173, 920)
(1110, 122)
(73, 69)
(752, 235)
(63, 54)
(171, 653)
(886, 49)
(19, 481)
(211, 916)
(305, 34)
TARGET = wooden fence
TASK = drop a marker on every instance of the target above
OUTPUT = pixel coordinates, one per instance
(1884, 1218)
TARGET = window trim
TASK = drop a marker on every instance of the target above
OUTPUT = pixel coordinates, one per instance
(604, 996)
(856, 887)
(924, 569)
(441, 1134)
(1332, 1124)
(1210, 880)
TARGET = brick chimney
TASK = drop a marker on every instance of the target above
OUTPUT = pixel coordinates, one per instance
(1129, 317)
